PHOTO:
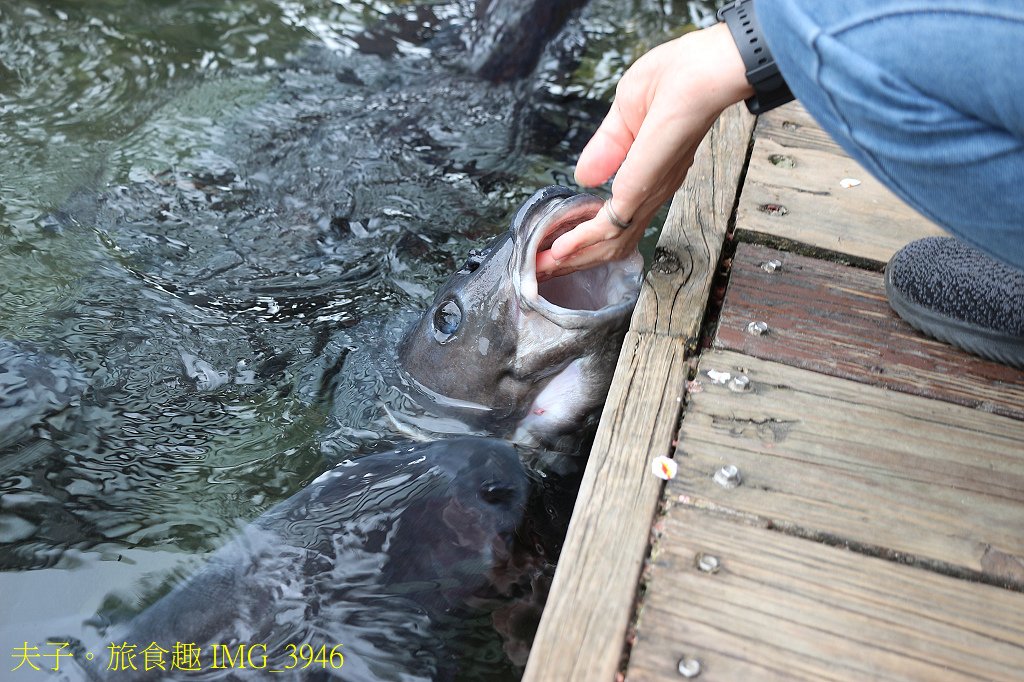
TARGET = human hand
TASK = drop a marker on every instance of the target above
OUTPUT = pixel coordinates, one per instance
(664, 105)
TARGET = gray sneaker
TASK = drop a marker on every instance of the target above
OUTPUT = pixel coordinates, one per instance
(959, 295)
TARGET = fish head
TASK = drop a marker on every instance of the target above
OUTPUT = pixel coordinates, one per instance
(460, 522)
(506, 349)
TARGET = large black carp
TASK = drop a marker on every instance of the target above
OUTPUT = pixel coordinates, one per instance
(370, 560)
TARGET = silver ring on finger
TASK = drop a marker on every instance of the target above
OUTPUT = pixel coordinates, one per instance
(614, 219)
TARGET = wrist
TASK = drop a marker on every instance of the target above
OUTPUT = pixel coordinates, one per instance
(720, 79)
(761, 72)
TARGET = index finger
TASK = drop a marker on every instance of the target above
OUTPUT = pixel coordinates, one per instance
(658, 158)
(606, 150)
(588, 233)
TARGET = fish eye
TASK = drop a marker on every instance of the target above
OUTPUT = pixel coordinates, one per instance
(495, 492)
(447, 319)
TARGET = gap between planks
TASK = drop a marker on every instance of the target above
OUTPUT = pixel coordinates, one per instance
(936, 484)
(792, 193)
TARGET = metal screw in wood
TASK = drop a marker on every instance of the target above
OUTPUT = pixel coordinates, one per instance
(708, 563)
(757, 328)
(728, 476)
(739, 383)
(689, 667)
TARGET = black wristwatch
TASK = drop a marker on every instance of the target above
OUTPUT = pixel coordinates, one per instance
(770, 89)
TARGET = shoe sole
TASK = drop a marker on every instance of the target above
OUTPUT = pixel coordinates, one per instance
(991, 345)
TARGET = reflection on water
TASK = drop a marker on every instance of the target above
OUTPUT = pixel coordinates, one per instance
(201, 200)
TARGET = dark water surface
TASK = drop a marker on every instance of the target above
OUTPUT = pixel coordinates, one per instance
(198, 199)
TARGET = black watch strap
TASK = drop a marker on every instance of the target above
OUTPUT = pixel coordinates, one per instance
(770, 89)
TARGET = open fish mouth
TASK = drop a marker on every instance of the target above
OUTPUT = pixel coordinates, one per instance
(582, 298)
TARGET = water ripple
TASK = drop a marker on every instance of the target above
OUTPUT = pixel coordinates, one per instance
(209, 206)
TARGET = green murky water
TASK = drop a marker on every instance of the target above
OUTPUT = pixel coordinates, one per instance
(194, 197)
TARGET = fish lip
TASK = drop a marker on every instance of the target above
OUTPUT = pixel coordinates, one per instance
(545, 211)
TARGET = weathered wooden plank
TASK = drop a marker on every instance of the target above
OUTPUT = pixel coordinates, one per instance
(675, 290)
(794, 194)
(582, 631)
(785, 608)
(835, 319)
(792, 126)
(934, 483)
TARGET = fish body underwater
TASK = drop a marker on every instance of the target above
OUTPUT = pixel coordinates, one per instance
(371, 558)
(378, 551)
(203, 254)
(32, 386)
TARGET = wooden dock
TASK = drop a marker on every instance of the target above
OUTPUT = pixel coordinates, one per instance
(874, 526)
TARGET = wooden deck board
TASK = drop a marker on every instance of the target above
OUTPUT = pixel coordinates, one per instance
(676, 289)
(792, 126)
(866, 222)
(582, 631)
(935, 483)
(877, 531)
(784, 608)
(835, 320)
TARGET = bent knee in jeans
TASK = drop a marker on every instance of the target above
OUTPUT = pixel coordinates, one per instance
(926, 95)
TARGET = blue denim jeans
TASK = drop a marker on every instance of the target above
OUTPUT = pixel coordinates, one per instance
(926, 94)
